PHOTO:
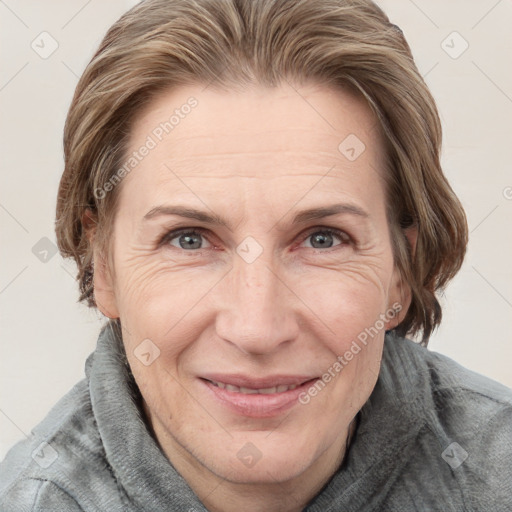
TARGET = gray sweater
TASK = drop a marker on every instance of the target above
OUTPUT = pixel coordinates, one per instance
(433, 436)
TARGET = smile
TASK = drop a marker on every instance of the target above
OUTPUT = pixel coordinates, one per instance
(256, 398)
(252, 391)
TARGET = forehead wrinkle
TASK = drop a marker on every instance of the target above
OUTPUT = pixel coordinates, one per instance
(176, 168)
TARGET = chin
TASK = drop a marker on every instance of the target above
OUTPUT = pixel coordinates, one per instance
(260, 458)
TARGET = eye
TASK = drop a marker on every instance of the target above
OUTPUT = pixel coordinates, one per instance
(187, 240)
(326, 238)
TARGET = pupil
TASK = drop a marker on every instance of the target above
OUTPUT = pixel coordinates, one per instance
(190, 242)
(322, 240)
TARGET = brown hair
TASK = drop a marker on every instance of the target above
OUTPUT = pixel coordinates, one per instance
(161, 44)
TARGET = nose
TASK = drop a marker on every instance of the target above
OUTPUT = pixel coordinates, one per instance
(256, 309)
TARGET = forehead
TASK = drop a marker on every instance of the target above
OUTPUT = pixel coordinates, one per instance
(285, 135)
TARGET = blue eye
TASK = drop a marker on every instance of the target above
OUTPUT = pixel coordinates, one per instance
(326, 238)
(187, 240)
(194, 239)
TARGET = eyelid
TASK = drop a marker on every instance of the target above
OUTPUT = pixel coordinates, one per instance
(174, 233)
(344, 237)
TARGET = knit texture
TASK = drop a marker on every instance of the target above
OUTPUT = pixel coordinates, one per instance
(433, 436)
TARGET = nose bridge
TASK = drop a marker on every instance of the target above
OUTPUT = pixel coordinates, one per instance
(257, 314)
(256, 287)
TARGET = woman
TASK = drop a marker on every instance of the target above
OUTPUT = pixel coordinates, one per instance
(254, 198)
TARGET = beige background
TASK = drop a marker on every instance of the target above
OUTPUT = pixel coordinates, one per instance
(46, 336)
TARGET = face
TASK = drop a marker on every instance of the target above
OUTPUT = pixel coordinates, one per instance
(250, 257)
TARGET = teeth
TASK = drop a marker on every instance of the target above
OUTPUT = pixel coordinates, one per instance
(249, 391)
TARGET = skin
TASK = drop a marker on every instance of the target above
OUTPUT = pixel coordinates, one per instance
(255, 158)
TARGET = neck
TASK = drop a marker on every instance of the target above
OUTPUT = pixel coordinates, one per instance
(220, 494)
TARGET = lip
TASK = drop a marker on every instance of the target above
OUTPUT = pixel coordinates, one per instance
(257, 405)
(243, 381)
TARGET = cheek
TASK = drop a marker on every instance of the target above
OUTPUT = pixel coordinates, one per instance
(349, 301)
(352, 345)
(347, 310)
(151, 287)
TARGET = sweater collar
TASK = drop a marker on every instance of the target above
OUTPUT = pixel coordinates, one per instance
(140, 467)
(389, 423)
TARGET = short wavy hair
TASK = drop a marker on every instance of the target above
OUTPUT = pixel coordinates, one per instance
(161, 44)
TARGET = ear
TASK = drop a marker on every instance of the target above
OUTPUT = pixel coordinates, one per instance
(400, 295)
(103, 279)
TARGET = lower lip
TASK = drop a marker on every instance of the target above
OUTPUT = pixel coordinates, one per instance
(257, 405)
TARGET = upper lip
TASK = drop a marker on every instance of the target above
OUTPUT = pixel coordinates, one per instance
(269, 381)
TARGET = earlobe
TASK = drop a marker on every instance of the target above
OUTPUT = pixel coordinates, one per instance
(395, 314)
(104, 294)
(103, 283)
(401, 298)
(400, 306)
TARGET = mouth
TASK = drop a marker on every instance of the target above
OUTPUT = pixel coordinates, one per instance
(257, 398)
(252, 391)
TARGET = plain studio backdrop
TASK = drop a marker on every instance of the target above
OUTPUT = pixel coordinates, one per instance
(461, 47)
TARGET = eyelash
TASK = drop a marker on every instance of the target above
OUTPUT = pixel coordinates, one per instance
(344, 237)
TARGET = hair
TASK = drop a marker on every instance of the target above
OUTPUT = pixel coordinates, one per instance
(162, 44)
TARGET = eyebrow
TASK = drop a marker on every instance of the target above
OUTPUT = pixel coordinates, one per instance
(327, 211)
(214, 219)
(189, 213)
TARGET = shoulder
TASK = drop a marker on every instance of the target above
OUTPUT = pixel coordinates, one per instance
(33, 495)
(60, 464)
(467, 424)
(452, 387)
